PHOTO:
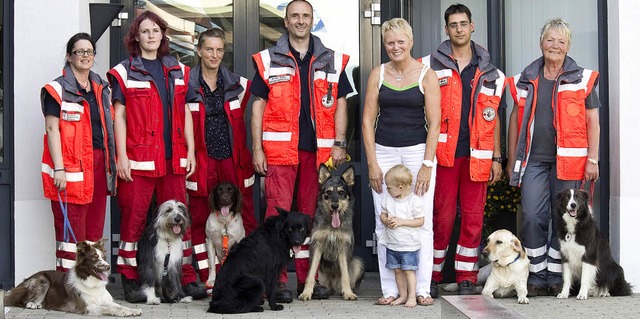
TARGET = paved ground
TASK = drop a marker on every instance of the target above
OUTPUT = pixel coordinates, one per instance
(335, 307)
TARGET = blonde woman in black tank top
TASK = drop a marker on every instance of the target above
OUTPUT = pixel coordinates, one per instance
(400, 125)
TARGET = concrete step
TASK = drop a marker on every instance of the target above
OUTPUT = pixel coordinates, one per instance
(475, 307)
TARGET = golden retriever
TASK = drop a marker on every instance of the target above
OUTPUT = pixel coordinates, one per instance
(509, 266)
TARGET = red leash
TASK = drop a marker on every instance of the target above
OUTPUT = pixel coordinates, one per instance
(592, 188)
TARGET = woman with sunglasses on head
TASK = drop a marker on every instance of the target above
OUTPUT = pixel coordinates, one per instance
(78, 162)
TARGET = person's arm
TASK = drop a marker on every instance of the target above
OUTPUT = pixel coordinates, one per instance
(512, 139)
(339, 154)
(120, 131)
(384, 218)
(496, 167)
(259, 159)
(433, 113)
(591, 171)
(369, 116)
(52, 125)
(188, 135)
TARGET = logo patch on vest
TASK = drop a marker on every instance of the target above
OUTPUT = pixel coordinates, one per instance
(71, 117)
(443, 81)
(279, 78)
(489, 114)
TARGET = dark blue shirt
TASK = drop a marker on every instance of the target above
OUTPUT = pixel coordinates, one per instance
(216, 125)
(467, 75)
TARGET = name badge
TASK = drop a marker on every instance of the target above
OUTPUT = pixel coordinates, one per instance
(71, 117)
(279, 78)
(443, 81)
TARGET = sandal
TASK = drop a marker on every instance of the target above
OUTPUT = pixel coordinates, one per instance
(424, 301)
(385, 301)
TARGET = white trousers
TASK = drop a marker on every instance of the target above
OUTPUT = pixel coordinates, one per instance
(411, 157)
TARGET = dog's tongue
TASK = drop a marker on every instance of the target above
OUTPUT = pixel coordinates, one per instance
(335, 219)
(296, 249)
(224, 211)
(103, 276)
(573, 213)
(177, 229)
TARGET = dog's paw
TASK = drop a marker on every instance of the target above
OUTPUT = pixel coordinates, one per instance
(277, 307)
(257, 309)
(153, 301)
(305, 295)
(128, 312)
(33, 305)
(187, 299)
(582, 296)
(563, 295)
(349, 296)
(523, 300)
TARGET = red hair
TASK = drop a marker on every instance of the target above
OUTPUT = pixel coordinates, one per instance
(130, 39)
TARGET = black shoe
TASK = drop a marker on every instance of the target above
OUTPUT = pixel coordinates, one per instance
(283, 294)
(433, 291)
(319, 291)
(466, 287)
(195, 291)
(555, 290)
(132, 292)
(536, 291)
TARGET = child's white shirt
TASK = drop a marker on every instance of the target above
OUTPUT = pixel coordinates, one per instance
(403, 238)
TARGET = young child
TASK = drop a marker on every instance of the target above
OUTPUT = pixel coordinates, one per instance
(402, 213)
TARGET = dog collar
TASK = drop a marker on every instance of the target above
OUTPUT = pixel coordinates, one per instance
(517, 257)
(568, 236)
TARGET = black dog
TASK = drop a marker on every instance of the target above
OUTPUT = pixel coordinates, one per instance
(253, 265)
(586, 256)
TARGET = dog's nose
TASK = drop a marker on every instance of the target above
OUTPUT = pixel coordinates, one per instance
(177, 219)
(335, 206)
(573, 205)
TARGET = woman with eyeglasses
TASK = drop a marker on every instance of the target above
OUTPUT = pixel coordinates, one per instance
(78, 162)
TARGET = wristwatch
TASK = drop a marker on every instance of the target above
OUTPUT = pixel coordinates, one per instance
(428, 163)
(342, 144)
(497, 159)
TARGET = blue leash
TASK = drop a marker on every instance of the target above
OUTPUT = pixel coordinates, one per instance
(67, 224)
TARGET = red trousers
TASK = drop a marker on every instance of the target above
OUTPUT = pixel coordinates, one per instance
(134, 199)
(279, 188)
(218, 171)
(87, 221)
(454, 184)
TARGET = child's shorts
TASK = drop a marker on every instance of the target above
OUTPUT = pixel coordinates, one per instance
(405, 260)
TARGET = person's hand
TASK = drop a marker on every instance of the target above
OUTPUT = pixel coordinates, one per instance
(591, 172)
(60, 180)
(191, 164)
(394, 222)
(124, 168)
(375, 178)
(423, 180)
(259, 162)
(496, 173)
(338, 155)
(509, 169)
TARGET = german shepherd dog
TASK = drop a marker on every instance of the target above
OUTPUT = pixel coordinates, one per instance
(587, 263)
(254, 264)
(332, 237)
(82, 290)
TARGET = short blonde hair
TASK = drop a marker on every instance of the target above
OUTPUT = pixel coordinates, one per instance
(399, 175)
(558, 24)
(399, 26)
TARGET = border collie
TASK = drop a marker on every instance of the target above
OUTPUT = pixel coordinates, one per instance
(586, 256)
(82, 290)
(160, 255)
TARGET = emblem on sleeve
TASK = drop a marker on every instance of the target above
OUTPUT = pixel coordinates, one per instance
(489, 114)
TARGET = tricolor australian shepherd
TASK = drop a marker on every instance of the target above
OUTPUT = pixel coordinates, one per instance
(587, 264)
(160, 255)
(82, 290)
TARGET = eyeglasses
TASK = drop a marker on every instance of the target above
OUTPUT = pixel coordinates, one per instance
(84, 52)
(455, 25)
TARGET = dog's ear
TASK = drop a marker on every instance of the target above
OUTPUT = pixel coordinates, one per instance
(309, 223)
(517, 246)
(238, 204)
(282, 212)
(212, 199)
(323, 174)
(349, 175)
(81, 246)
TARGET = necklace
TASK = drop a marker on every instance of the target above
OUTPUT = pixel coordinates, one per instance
(84, 86)
(399, 77)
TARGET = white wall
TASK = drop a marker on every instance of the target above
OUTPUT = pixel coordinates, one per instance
(624, 153)
(40, 41)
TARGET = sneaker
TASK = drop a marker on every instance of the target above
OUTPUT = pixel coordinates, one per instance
(466, 287)
(319, 291)
(195, 291)
(535, 291)
(132, 292)
(283, 294)
(433, 291)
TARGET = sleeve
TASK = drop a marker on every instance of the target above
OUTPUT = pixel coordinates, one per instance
(417, 207)
(258, 87)
(344, 87)
(50, 106)
(116, 92)
(592, 101)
